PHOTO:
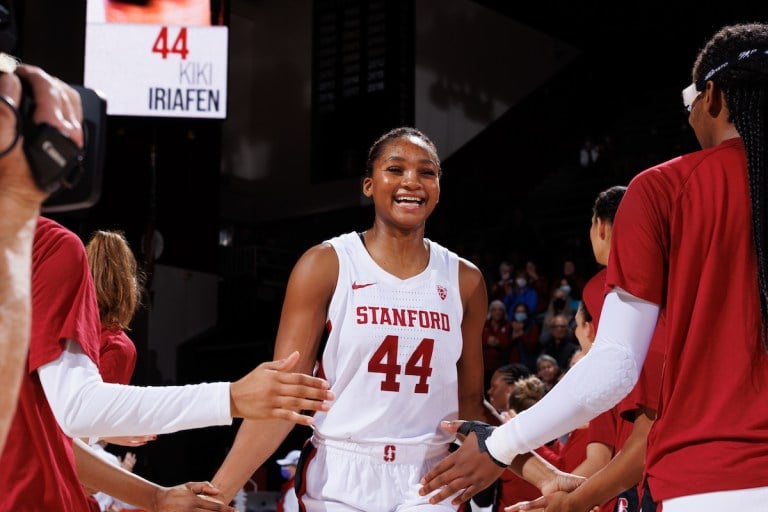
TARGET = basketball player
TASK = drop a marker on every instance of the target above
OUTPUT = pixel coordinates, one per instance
(690, 241)
(405, 318)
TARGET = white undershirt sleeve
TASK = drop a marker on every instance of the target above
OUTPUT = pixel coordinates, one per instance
(84, 405)
(595, 384)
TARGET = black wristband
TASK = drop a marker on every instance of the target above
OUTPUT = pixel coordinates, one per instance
(12, 105)
(482, 431)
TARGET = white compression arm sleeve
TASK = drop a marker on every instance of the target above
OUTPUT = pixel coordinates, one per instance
(598, 382)
(84, 405)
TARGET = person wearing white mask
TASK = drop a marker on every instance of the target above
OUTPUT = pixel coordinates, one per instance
(288, 501)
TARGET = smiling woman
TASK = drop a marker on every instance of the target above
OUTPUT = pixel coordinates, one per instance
(405, 318)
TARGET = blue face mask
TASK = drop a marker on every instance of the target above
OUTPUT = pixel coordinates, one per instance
(285, 472)
(521, 316)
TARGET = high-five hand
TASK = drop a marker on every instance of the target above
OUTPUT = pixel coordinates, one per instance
(272, 391)
(468, 469)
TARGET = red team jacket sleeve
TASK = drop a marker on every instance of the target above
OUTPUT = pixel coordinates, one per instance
(63, 297)
(639, 240)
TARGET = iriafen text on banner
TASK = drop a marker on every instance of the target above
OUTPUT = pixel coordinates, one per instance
(184, 100)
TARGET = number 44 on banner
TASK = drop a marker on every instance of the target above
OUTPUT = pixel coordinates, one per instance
(179, 44)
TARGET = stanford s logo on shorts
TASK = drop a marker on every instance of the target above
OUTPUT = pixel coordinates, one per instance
(389, 453)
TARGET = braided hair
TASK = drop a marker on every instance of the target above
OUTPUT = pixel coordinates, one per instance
(735, 59)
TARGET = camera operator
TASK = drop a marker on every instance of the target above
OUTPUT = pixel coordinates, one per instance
(20, 200)
(58, 105)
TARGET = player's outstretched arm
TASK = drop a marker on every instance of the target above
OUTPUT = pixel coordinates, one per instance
(98, 474)
(302, 321)
(470, 365)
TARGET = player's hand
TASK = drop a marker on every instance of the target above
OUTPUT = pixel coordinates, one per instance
(561, 481)
(467, 469)
(555, 502)
(271, 391)
(184, 498)
(556, 496)
(507, 415)
(128, 461)
(130, 441)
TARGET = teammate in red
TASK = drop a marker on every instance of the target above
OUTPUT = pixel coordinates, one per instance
(690, 242)
(405, 318)
(614, 486)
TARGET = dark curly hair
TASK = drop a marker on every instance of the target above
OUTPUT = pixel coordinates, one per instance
(513, 372)
(607, 203)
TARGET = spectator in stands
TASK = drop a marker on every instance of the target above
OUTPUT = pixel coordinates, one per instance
(288, 501)
(524, 338)
(561, 344)
(496, 339)
(548, 370)
(499, 287)
(572, 281)
(520, 293)
(559, 305)
(540, 283)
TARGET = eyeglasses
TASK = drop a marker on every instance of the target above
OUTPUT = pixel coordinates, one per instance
(690, 94)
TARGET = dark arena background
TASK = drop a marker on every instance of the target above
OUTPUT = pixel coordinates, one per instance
(515, 96)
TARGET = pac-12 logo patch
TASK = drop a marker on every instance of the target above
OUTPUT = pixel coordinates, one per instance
(442, 292)
(389, 453)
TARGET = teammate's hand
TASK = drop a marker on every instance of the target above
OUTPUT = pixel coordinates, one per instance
(466, 469)
(130, 441)
(556, 496)
(561, 481)
(184, 498)
(271, 391)
(555, 502)
(128, 461)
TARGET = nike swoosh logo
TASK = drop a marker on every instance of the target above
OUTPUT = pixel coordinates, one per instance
(356, 286)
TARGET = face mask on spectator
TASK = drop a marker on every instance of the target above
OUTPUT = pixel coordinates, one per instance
(521, 282)
(566, 289)
(521, 316)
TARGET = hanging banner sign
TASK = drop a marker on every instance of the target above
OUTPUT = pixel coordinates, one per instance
(156, 69)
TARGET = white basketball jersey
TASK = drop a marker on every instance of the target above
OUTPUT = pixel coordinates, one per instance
(392, 349)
